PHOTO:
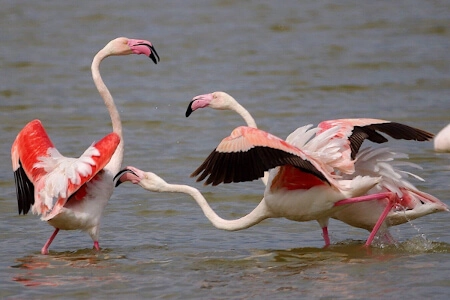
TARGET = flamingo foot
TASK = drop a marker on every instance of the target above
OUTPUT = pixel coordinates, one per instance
(325, 235)
(96, 246)
(44, 250)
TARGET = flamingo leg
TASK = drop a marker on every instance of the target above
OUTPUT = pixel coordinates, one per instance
(96, 245)
(44, 249)
(389, 237)
(325, 235)
(380, 221)
(363, 198)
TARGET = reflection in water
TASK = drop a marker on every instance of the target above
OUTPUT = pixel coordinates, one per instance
(338, 270)
(60, 269)
(314, 271)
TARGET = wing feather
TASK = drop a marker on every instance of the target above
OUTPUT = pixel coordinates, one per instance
(248, 152)
(358, 130)
(31, 142)
(70, 174)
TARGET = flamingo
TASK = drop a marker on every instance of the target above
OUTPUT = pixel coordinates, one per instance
(71, 193)
(442, 140)
(364, 214)
(408, 203)
(319, 189)
(154, 183)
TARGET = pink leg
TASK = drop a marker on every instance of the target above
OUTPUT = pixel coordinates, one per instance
(44, 249)
(389, 238)
(379, 222)
(363, 198)
(96, 245)
(326, 237)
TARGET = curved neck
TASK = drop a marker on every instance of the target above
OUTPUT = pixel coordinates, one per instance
(254, 217)
(245, 115)
(116, 160)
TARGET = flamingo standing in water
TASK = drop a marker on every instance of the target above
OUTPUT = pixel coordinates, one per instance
(71, 193)
(320, 191)
(365, 215)
(374, 159)
(442, 140)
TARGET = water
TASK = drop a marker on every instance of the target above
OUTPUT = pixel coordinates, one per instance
(290, 64)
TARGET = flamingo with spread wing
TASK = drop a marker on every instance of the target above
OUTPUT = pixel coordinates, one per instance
(71, 193)
(299, 177)
(407, 204)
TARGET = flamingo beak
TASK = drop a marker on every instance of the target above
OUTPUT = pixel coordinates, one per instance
(117, 179)
(199, 101)
(189, 109)
(153, 54)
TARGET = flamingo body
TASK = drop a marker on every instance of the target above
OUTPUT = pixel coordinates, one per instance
(285, 194)
(442, 140)
(71, 193)
(407, 202)
(409, 206)
(310, 202)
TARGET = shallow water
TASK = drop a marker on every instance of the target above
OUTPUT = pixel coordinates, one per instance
(289, 65)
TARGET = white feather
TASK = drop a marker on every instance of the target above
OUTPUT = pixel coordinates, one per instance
(60, 170)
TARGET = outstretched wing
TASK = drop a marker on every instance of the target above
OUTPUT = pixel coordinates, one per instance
(44, 178)
(357, 130)
(248, 152)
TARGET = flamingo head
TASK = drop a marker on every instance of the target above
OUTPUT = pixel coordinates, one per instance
(148, 180)
(125, 46)
(216, 100)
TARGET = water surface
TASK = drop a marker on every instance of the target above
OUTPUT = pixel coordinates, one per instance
(289, 64)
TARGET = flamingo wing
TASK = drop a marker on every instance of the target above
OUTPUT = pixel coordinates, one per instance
(31, 142)
(248, 152)
(42, 174)
(358, 130)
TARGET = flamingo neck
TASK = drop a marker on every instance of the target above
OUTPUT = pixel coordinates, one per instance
(245, 115)
(250, 123)
(254, 217)
(117, 158)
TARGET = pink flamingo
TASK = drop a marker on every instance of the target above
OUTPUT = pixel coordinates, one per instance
(365, 214)
(306, 177)
(71, 193)
(154, 183)
(408, 203)
(442, 140)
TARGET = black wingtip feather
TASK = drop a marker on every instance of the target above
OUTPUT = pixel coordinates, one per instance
(393, 129)
(247, 166)
(24, 190)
